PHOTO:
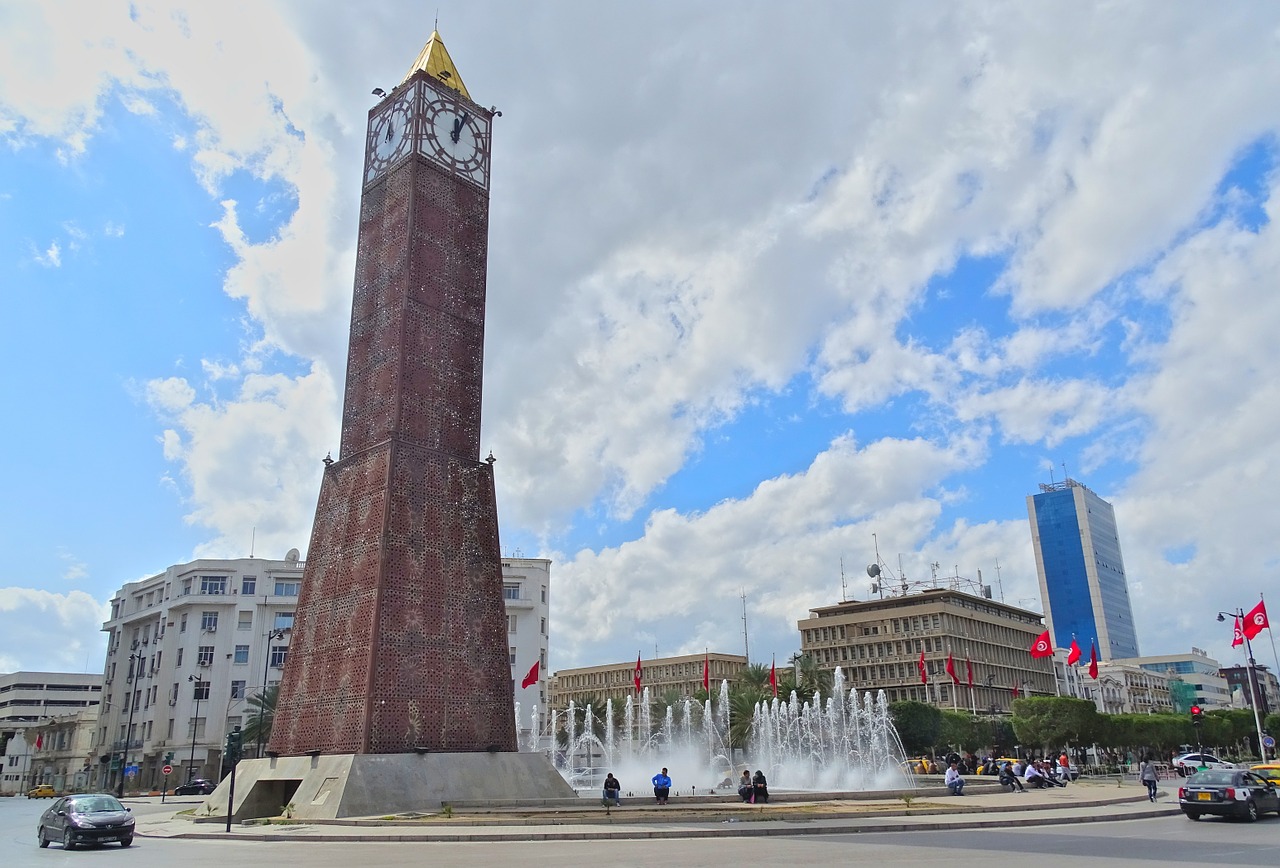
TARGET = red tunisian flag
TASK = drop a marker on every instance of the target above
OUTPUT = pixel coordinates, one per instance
(532, 677)
(968, 665)
(773, 676)
(951, 669)
(924, 671)
(1093, 661)
(1256, 621)
(39, 740)
(637, 673)
(1043, 646)
(706, 673)
(1074, 654)
(1237, 635)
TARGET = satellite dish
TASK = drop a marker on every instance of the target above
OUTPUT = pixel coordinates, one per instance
(291, 556)
(873, 570)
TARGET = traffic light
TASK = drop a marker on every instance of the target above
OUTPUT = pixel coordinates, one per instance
(234, 746)
(168, 758)
(1197, 715)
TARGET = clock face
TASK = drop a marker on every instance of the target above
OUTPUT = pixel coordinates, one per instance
(456, 135)
(390, 136)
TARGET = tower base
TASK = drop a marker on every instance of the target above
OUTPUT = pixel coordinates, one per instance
(362, 785)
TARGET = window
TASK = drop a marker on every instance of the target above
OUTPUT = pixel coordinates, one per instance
(237, 690)
(182, 624)
(186, 587)
(195, 728)
(179, 657)
(511, 653)
(283, 621)
(209, 621)
(242, 654)
(204, 655)
(249, 585)
(244, 621)
(544, 593)
(544, 626)
(511, 623)
(278, 653)
(287, 589)
(510, 592)
(213, 584)
(201, 690)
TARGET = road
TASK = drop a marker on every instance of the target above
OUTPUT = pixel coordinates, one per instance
(1160, 841)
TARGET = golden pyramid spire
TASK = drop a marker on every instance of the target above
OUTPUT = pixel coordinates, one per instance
(435, 59)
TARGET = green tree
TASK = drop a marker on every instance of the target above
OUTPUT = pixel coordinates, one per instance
(261, 715)
(957, 731)
(1271, 724)
(919, 724)
(1052, 721)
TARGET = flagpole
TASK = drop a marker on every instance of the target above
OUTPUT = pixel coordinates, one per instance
(1272, 636)
(1253, 694)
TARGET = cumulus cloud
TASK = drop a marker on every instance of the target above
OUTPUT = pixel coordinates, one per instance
(31, 617)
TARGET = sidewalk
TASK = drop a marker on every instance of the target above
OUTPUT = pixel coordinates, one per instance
(1083, 802)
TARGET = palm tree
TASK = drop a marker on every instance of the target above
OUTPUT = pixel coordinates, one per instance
(263, 713)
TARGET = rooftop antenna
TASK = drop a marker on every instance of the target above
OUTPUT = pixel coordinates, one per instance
(999, 583)
(253, 540)
(844, 588)
(746, 649)
(1051, 480)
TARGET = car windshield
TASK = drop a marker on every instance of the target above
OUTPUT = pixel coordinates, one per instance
(1210, 778)
(95, 804)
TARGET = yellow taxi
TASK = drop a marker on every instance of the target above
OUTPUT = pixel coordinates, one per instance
(44, 791)
(1270, 771)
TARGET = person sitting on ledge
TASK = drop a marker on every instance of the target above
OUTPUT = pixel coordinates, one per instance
(954, 782)
(744, 785)
(759, 788)
(612, 790)
(661, 787)
(1009, 780)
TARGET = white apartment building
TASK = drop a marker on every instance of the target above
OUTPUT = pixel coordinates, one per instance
(26, 700)
(526, 593)
(187, 648)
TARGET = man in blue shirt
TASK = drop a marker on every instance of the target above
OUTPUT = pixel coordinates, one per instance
(661, 787)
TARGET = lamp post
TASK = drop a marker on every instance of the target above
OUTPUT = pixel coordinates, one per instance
(195, 724)
(136, 659)
(1238, 614)
(262, 700)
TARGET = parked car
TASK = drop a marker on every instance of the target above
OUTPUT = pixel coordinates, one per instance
(85, 818)
(1228, 793)
(41, 791)
(1190, 763)
(195, 787)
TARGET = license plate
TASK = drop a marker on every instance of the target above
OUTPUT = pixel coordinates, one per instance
(1205, 797)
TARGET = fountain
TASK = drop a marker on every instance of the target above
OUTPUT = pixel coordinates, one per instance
(838, 745)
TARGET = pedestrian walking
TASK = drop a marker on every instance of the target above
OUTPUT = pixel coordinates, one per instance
(1147, 774)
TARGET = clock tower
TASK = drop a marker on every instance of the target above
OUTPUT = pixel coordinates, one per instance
(399, 642)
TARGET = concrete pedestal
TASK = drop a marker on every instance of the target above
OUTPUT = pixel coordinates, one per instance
(363, 785)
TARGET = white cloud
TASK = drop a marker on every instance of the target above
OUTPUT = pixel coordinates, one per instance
(51, 257)
(51, 632)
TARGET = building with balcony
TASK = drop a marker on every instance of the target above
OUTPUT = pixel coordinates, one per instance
(1199, 672)
(1264, 683)
(64, 749)
(878, 644)
(186, 650)
(28, 699)
(526, 593)
(1123, 687)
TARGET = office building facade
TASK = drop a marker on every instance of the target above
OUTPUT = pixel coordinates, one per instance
(29, 699)
(1083, 586)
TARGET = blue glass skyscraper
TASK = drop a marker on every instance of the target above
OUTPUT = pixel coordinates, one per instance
(1082, 580)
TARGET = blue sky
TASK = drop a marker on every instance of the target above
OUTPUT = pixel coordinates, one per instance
(739, 321)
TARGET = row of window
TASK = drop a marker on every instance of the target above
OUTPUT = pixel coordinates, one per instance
(244, 621)
(511, 624)
(216, 585)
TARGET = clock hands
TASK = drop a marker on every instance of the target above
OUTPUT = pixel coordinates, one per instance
(458, 123)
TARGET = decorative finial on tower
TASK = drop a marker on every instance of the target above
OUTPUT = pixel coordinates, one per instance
(491, 459)
(328, 459)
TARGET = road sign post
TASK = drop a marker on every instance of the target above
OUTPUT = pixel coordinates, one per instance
(164, 788)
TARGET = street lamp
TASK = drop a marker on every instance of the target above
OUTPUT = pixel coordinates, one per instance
(195, 723)
(1238, 614)
(262, 700)
(136, 659)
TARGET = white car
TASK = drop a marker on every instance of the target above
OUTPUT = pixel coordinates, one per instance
(1190, 763)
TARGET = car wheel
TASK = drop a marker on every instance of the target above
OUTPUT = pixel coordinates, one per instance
(1250, 811)
(125, 842)
(1193, 815)
(44, 842)
(68, 840)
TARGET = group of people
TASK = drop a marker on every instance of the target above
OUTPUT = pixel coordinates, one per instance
(751, 788)
(1013, 776)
